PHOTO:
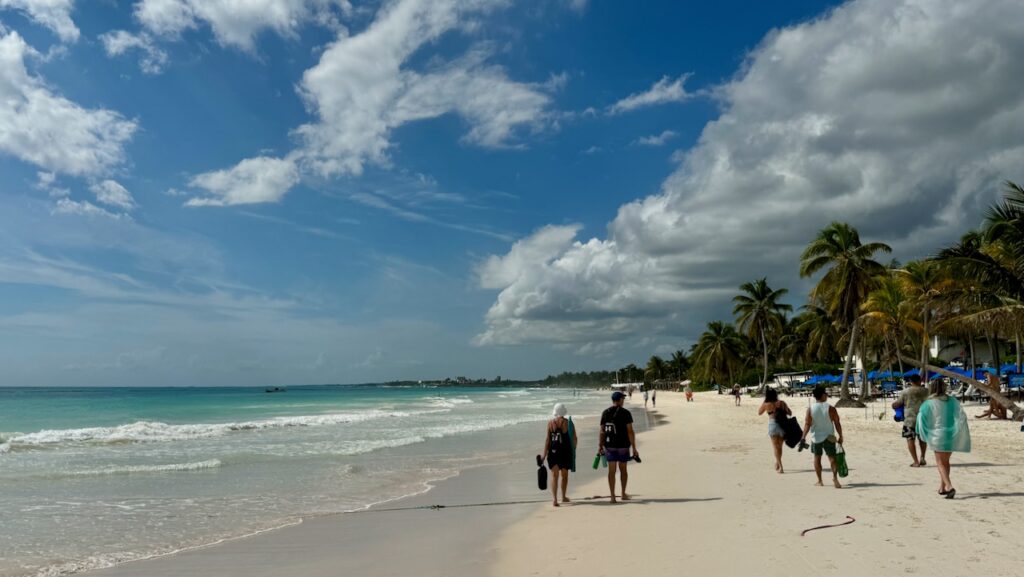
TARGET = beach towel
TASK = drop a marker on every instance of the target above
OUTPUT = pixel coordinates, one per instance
(572, 435)
(942, 424)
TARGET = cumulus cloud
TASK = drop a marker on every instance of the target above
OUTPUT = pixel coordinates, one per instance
(48, 130)
(662, 92)
(119, 42)
(360, 91)
(53, 14)
(111, 193)
(882, 113)
(236, 23)
(656, 139)
(252, 181)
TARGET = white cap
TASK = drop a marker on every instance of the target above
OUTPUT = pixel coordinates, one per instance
(559, 410)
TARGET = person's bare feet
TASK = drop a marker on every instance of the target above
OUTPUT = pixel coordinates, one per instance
(923, 463)
(835, 483)
(626, 497)
(915, 465)
(555, 503)
(565, 499)
(781, 471)
(819, 484)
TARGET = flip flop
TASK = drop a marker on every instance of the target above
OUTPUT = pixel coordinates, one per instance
(951, 494)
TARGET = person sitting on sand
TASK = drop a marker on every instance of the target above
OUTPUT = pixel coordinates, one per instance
(822, 422)
(995, 411)
(911, 399)
(776, 409)
(559, 445)
(943, 423)
(615, 440)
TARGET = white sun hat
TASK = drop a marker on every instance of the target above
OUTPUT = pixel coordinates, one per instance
(559, 410)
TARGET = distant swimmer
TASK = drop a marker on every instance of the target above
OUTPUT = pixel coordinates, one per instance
(823, 424)
(615, 441)
(559, 448)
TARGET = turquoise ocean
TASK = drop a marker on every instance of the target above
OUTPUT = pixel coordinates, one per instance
(91, 477)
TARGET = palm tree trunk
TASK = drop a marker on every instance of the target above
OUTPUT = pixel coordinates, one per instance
(1016, 337)
(865, 388)
(1017, 413)
(764, 342)
(970, 343)
(844, 390)
(925, 345)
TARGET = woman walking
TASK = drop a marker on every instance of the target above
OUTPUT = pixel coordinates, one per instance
(777, 410)
(559, 450)
(943, 424)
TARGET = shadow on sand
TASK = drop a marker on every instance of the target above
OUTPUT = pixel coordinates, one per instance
(602, 501)
(990, 496)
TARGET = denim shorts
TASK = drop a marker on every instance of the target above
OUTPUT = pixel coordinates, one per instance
(616, 455)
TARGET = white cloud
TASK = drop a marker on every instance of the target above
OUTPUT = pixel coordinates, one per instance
(48, 130)
(662, 92)
(236, 23)
(53, 14)
(254, 180)
(360, 91)
(120, 42)
(655, 139)
(111, 193)
(883, 113)
(82, 208)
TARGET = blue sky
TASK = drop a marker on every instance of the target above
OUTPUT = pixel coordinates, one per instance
(308, 191)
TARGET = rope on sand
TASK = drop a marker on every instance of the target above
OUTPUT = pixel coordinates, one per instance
(806, 531)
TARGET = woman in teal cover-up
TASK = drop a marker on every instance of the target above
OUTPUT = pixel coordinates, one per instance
(942, 423)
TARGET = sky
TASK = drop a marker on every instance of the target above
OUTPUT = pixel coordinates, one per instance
(252, 192)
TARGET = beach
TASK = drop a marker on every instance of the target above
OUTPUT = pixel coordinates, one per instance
(706, 500)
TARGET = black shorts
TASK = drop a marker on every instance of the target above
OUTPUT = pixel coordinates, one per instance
(561, 459)
(909, 433)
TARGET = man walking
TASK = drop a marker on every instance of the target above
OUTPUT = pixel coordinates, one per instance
(616, 439)
(822, 422)
(911, 400)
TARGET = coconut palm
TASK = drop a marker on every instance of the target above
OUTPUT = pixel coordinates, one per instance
(656, 369)
(760, 313)
(718, 353)
(850, 275)
(888, 315)
(679, 364)
(926, 284)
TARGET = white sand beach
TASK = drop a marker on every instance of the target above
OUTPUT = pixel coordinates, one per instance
(706, 501)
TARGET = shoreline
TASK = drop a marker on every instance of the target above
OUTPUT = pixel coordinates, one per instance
(479, 501)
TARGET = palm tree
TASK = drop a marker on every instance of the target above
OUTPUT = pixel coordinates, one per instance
(850, 276)
(679, 364)
(823, 337)
(925, 283)
(760, 313)
(718, 353)
(656, 369)
(888, 315)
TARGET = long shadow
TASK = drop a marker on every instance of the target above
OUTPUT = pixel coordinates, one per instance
(990, 496)
(958, 465)
(868, 485)
(603, 502)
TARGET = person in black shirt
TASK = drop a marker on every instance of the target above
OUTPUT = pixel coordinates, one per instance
(616, 440)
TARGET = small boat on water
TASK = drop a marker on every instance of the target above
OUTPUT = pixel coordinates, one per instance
(276, 390)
